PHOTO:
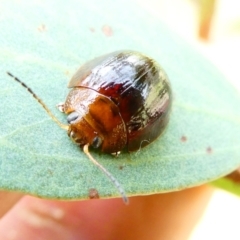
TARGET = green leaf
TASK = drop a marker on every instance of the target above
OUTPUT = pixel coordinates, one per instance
(230, 182)
(44, 42)
(227, 184)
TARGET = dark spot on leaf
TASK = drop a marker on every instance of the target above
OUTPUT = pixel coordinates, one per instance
(209, 150)
(183, 139)
(121, 167)
(93, 193)
(107, 30)
(42, 28)
(92, 29)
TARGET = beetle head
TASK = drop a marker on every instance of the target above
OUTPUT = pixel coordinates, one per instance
(81, 132)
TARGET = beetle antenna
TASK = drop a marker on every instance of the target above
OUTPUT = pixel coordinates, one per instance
(39, 101)
(109, 175)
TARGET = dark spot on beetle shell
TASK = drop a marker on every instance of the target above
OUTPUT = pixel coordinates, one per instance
(209, 150)
(183, 138)
(42, 28)
(93, 193)
(107, 30)
(92, 29)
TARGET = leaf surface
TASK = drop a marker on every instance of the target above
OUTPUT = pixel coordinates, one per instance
(44, 42)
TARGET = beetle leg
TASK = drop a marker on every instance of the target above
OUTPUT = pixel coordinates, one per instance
(60, 106)
(115, 154)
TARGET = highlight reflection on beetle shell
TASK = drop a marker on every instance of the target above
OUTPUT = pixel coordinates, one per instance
(123, 97)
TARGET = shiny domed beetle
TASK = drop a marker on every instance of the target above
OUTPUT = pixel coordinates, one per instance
(118, 101)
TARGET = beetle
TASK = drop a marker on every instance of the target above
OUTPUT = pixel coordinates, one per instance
(118, 101)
